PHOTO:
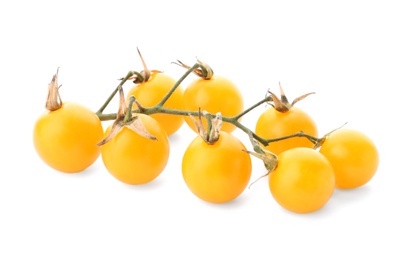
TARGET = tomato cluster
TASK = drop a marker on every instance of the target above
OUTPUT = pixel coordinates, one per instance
(303, 170)
(308, 170)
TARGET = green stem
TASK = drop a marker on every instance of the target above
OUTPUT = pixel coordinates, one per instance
(266, 99)
(99, 113)
(129, 114)
(209, 127)
(160, 109)
(168, 95)
(233, 120)
(313, 139)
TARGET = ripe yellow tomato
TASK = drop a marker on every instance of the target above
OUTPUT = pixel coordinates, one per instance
(275, 124)
(353, 156)
(218, 172)
(303, 181)
(151, 92)
(214, 95)
(134, 159)
(66, 138)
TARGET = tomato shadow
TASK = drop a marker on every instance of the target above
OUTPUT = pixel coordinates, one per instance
(87, 173)
(183, 135)
(175, 137)
(236, 203)
(341, 198)
(149, 186)
(344, 197)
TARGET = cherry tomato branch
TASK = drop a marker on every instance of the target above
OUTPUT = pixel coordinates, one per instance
(233, 120)
(159, 108)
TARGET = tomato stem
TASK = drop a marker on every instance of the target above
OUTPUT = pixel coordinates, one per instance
(210, 126)
(168, 95)
(129, 114)
(160, 109)
(265, 100)
(313, 139)
(99, 113)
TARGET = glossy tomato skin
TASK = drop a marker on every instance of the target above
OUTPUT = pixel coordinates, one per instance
(353, 155)
(219, 172)
(151, 92)
(66, 138)
(214, 95)
(275, 124)
(303, 181)
(134, 159)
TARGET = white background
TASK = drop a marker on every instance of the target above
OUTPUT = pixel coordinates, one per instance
(351, 53)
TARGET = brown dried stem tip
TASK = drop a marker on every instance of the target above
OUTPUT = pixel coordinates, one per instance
(269, 159)
(54, 101)
(125, 119)
(282, 104)
(142, 76)
(211, 133)
(204, 71)
(321, 140)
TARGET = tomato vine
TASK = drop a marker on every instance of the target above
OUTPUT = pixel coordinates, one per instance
(227, 167)
(159, 108)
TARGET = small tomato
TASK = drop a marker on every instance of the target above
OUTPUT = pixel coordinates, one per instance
(217, 172)
(217, 94)
(152, 91)
(65, 136)
(282, 120)
(134, 159)
(353, 156)
(303, 181)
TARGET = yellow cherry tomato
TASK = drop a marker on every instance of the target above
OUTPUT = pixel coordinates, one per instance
(134, 159)
(214, 95)
(275, 124)
(218, 172)
(353, 156)
(303, 181)
(151, 92)
(66, 138)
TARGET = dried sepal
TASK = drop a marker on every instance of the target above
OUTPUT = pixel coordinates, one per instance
(278, 104)
(301, 98)
(282, 104)
(204, 71)
(142, 76)
(137, 126)
(269, 159)
(207, 72)
(54, 101)
(134, 122)
(321, 140)
(261, 177)
(146, 72)
(198, 123)
(117, 126)
(211, 133)
(216, 125)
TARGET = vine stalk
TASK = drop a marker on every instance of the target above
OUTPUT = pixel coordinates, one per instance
(159, 108)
